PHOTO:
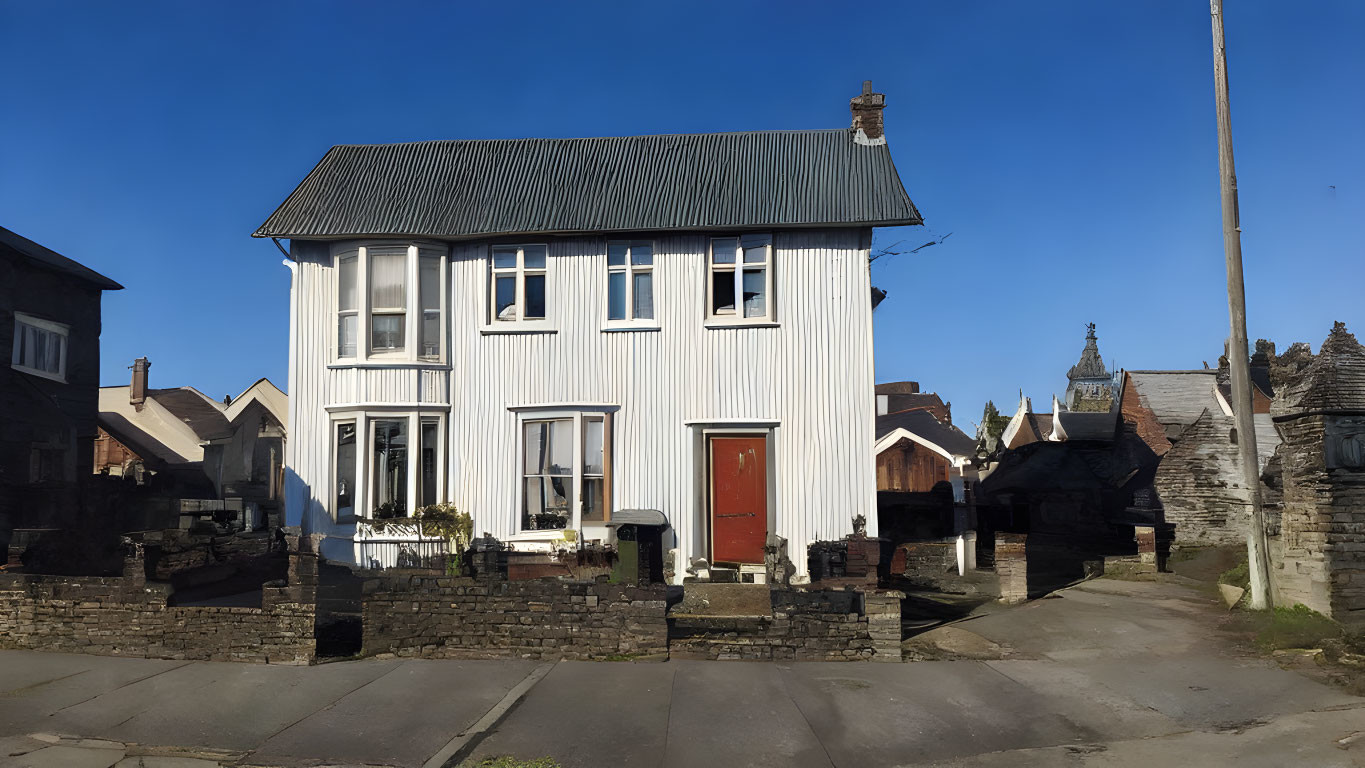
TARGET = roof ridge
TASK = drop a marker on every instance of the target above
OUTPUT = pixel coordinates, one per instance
(597, 138)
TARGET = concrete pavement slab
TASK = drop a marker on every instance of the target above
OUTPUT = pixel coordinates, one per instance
(34, 685)
(1312, 740)
(1203, 692)
(589, 714)
(437, 699)
(737, 714)
(65, 757)
(1106, 620)
(875, 715)
(217, 704)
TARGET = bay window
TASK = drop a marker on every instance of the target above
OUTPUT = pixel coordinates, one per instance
(564, 473)
(518, 288)
(630, 282)
(39, 347)
(386, 464)
(740, 279)
(390, 303)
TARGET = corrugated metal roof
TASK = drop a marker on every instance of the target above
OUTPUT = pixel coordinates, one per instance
(479, 188)
(51, 259)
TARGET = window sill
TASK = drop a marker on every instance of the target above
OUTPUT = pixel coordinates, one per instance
(545, 536)
(40, 374)
(390, 364)
(620, 327)
(510, 328)
(714, 324)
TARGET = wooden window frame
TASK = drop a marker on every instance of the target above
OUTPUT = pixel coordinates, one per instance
(520, 272)
(413, 311)
(630, 270)
(60, 330)
(579, 415)
(364, 421)
(737, 269)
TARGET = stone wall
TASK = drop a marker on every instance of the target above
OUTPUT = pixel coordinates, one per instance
(173, 551)
(446, 617)
(1011, 565)
(805, 625)
(1198, 482)
(1319, 558)
(123, 616)
(925, 562)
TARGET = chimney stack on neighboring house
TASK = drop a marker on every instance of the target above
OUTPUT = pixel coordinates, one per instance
(867, 113)
(137, 393)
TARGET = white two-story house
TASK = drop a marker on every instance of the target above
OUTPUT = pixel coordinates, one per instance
(545, 331)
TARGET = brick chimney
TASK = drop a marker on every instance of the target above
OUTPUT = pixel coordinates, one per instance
(137, 393)
(867, 112)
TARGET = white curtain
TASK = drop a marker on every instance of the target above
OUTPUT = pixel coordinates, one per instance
(388, 278)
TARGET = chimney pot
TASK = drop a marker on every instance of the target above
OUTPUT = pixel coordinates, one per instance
(137, 393)
(867, 112)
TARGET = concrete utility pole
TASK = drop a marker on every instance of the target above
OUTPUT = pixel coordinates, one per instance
(1257, 557)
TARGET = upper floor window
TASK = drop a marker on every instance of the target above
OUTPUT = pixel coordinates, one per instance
(390, 303)
(740, 279)
(630, 281)
(40, 347)
(519, 283)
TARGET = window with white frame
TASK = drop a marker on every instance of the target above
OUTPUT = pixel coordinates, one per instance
(564, 474)
(390, 303)
(386, 464)
(740, 279)
(630, 282)
(518, 287)
(40, 346)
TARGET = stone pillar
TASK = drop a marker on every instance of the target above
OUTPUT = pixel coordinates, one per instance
(884, 624)
(969, 540)
(303, 566)
(1146, 546)
(134, 564)
(1011, 565)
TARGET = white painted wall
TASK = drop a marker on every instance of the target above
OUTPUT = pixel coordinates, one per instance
(812, 376)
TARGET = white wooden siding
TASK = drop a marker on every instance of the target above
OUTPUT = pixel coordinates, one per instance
(812, 375)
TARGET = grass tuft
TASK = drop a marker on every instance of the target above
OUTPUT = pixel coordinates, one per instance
(507, 761)
(1296, 627)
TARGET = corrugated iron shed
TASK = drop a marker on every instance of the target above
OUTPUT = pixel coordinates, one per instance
(483, 188)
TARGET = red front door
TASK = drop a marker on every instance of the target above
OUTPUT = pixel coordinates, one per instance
(739, 499)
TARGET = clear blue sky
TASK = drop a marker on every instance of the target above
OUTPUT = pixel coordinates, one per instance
(1069, 147)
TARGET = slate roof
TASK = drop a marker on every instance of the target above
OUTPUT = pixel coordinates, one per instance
(923, 424)
(1176, 398)
(1041, 423)
(481, 188)
(193, 408)
(1089, 425)
(22, 246)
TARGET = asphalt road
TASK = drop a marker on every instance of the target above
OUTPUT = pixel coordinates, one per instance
(1107, 673)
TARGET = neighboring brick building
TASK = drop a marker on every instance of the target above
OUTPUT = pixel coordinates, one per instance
(898, 396)
(49, 383)
(1319, 558)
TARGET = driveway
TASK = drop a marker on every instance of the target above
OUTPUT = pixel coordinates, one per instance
(1105, 673)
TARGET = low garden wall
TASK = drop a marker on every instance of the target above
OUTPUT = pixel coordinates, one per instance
(448, 617)
(805, 625)
(124, 616)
